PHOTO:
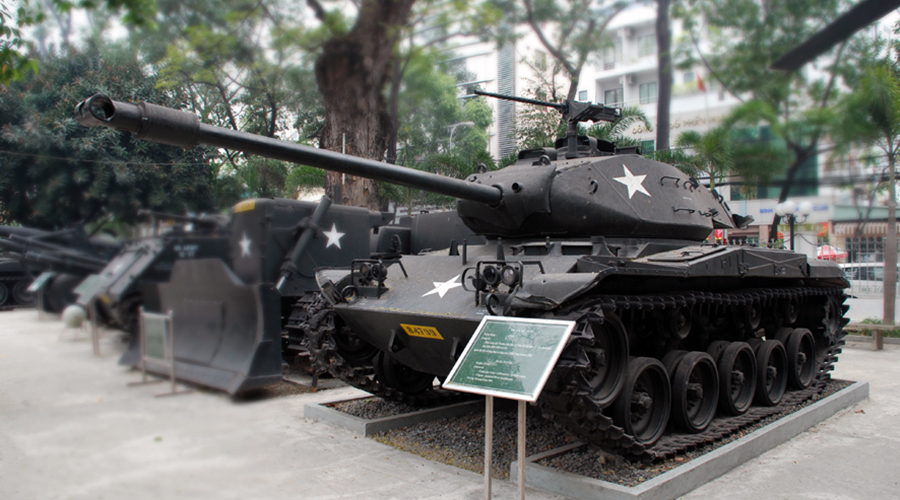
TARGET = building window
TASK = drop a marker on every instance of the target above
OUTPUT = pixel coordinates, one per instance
(582, 95)
(688, 77)
(646, 45)
(648, 147)
(648, 92)
(613, 97)
(610, 56)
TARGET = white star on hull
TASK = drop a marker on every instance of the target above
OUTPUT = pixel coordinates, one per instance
(245, 246)
(634, 183)
(334, 237)
(442, 288)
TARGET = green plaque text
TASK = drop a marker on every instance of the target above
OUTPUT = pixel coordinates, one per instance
(510, 357)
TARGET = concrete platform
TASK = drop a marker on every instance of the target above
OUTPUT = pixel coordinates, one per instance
(70, 428)
(697, 472)
(367, 427)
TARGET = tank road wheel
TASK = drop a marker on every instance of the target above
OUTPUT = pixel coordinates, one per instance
(771, 368)
(401, 377)
(609, 358)
(677, 322)
(642, 408)
(801, 358)
(737, 378)
(4, 293)
(21, 294)
(695, 392)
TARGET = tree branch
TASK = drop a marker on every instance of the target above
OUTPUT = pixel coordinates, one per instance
(709, 68)
(317, 9)
(559, 56)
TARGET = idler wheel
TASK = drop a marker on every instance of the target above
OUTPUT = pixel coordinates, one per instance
(695, 392)
(609, 358)
(642, 409)
(4, 294)
(801, 358)
(401, 377)
(352, 348)
(737, 378)
(771, 368)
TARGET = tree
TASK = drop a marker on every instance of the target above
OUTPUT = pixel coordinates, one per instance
(239, 66)
(746, 36)
(664, 65)
(54, 172)
(439, 132)
(871, 118)
(578, 28)
(15, 64)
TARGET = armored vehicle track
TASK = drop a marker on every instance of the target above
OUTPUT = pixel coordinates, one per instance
(578, 395)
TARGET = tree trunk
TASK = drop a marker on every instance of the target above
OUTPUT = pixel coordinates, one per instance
(664, 88)
(351, 73)
(890, 247)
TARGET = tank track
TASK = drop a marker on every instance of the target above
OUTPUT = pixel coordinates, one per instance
(565, 399)
(318, 325)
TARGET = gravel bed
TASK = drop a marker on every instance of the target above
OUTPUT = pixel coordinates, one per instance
(372, 408)
(278, 390)
(459, 441)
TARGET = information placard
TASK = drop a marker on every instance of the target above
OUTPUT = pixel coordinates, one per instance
(510, 357)
(155, 336)
(40, 281)
(88, 288)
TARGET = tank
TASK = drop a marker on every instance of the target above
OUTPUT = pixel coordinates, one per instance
(677, 342)
(15, 278)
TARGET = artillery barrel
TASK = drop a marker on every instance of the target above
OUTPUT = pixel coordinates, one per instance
(178, 128)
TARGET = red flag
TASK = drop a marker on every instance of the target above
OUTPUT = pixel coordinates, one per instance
(700, 84)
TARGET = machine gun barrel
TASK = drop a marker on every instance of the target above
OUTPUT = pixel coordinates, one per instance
(178, 128)
(521, 99)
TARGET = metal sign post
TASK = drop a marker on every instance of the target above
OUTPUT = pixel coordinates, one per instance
(509, 358)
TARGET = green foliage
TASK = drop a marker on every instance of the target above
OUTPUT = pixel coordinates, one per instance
(15, 64)
(616, 132)
(745, 37)
(54, 172)
(438, 132)
(242, 66)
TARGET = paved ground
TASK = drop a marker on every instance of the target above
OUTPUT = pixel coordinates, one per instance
(70, 428)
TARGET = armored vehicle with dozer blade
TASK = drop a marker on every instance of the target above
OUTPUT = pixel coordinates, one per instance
(145, 261)
(671, 332)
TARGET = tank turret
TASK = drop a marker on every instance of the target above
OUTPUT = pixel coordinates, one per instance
(579, 189)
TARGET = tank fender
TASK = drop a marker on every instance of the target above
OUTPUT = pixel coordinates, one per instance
(548, 291)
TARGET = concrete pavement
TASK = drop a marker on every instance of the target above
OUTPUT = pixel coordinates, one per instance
(71, 428)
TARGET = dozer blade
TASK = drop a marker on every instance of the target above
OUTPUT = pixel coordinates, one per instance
(227, 334)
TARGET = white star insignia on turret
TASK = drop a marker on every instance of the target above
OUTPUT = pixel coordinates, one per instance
(245, 246)
(442, 288)
(334, 237)
(634, 183)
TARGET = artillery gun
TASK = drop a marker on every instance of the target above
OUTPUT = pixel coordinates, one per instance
(669, 328)
(70, 253)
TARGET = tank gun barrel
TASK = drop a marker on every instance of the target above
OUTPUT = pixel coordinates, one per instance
(178, 128)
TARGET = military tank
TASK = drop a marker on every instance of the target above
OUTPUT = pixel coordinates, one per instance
(677, 341)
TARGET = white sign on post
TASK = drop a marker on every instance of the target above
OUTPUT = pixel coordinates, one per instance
(509, 358)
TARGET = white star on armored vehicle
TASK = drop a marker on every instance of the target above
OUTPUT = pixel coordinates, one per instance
(245, 246)
(634, 183)
(442, 288)
(334, 237)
